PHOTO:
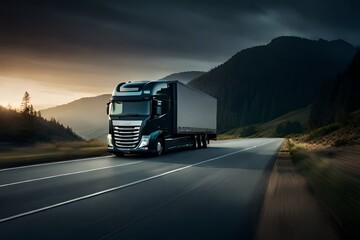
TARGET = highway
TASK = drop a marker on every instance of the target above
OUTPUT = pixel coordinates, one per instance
(213, 193)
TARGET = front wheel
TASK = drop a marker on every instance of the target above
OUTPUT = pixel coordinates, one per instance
(119, 154)
(159, 147)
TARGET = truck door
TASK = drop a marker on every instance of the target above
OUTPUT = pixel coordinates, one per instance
(161, 107)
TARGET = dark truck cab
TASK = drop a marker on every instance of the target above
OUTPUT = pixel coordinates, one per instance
(151, 117)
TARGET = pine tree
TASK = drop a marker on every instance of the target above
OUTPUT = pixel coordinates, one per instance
(25, 104)
(31, 110)
(9, 106)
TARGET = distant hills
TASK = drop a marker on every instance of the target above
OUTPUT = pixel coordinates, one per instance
(261, 83)
(87, 116)
(22, 128)
(183, 77)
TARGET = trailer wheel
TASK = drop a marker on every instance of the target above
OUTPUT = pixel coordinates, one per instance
(198, 141)
(159, 147)
(204, 141)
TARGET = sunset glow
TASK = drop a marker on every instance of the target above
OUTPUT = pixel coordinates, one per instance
(42, 96)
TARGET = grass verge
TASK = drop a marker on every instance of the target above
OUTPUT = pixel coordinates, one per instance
(227, 136)
(339, 192)
(49, 152)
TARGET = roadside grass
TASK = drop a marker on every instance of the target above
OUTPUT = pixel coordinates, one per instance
(50, 152)
(323, 131)
(339, 192)
(227, 136)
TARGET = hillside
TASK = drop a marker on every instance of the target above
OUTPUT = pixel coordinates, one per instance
(338, 98)
(87, 116)
(261, 83)
(184, 77)
(22, 129)
(268, 129)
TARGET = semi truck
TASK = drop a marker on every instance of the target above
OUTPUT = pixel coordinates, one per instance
(157, 116)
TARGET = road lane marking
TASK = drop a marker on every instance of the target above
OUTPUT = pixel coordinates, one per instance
(87, 159)
(123, 186)
(66, 174)
(53, 163)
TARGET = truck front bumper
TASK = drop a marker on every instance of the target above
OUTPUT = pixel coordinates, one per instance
(146, 145)
(128, 150)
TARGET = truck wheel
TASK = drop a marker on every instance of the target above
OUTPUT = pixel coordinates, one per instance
(194, 142)
(159, 147)
(204, 141)
(119, 154)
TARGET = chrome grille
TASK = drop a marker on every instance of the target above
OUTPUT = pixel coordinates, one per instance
(126, 136)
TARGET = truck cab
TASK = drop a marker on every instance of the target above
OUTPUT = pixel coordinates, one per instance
(143, 118)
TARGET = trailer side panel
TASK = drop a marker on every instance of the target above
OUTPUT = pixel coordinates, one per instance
(196, 111)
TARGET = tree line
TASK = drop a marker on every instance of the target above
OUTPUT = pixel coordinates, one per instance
(27, 126)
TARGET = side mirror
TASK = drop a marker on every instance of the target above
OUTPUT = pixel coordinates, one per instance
(107, 108)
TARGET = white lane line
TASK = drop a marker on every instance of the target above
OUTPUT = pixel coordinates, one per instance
(122, 186)
(66, 174)
(53, 163)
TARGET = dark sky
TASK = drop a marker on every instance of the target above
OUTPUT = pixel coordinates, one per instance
(88, 46)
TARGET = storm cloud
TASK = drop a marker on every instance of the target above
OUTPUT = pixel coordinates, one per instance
(94, 42)
(201, 29)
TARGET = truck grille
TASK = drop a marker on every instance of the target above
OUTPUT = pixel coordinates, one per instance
(126, 136)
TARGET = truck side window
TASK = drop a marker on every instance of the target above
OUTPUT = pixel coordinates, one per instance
(157, 107)
(161, 89)
(159, 110)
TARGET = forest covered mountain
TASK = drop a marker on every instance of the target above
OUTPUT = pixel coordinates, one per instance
(255, 86)
(261, 83)
(19, 128)
(338, 98)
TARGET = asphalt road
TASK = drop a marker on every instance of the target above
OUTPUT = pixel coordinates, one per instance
(213, 193)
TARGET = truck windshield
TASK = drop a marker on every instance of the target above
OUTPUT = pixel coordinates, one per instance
(137, 108)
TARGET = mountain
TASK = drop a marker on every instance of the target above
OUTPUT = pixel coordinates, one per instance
(255, 86)
(23, 128)
(338, 98)
(87, 116)
(183, 77)
(261, 83)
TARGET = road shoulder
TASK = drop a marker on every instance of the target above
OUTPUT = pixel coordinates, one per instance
(290, 210)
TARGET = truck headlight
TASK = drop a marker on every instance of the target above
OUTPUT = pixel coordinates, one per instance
(109, 140)
(144, 141)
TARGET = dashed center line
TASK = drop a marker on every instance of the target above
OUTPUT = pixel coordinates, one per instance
(66, 174)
